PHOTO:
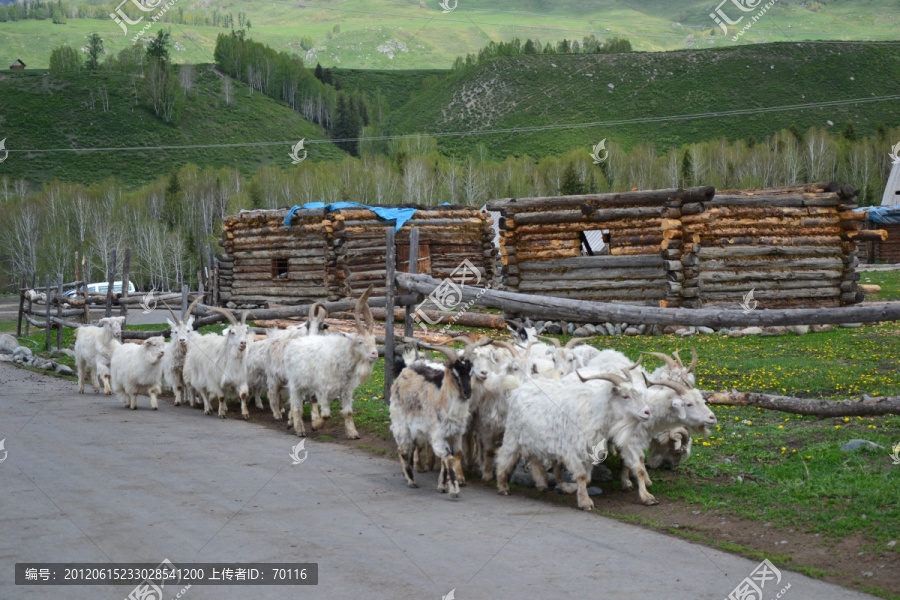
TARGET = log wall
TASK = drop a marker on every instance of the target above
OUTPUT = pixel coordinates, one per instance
(793, 246)
(336, 255)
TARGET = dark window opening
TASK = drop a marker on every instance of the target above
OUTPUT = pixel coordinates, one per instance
(279, 268)
(595, 242)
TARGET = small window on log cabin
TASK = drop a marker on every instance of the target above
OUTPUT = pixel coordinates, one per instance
(279, 268)
(595, 242)
(424, 263)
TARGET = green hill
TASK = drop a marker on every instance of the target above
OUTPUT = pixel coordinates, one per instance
(41, 111)
(413, 34)
(535, 91)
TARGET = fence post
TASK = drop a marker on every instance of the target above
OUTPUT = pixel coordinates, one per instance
(413, 269)
(30, 305)
(112, 279)
(21, 307)
(47, 317)
(59, 303)
(390, 267)
(126, 273)
(184, 299)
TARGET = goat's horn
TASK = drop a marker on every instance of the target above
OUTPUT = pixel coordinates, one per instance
(479, 343)
(367, 312)
(635, 365)
(507, 346)
(678, 358)
(693, 360)
(226, 314)
(665, 358)
(678, 387)
(552, 340)
(172, 312)
(450, 353)
(575, 342)
(516, 324)
(244, 317)
(611, 377)
(192, 306)
(462, 338)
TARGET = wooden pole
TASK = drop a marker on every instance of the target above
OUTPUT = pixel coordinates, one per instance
(413, 268)
(126, 273)
(390, 268)
(86, 318)
(112, 279)
(59, 310)
(47, 317)
(184, 299)
(21, 308)
(30, 305)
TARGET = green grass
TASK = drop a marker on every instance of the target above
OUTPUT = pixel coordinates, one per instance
(434, 39)
(41, 111)
(889, 282)
(549, 90)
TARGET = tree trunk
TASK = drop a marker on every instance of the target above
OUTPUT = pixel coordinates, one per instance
(865, 407)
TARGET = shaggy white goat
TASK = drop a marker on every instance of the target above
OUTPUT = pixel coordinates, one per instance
(137, 369)
(94, 347)
(181, 333)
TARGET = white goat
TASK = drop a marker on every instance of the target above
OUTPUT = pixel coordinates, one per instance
(216, 365)
(137, 369)
(94, 347)
(322, 368)
(181, 333)
(431, 405)
(558, 422)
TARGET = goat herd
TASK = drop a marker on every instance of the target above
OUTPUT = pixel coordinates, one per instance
(490, 402)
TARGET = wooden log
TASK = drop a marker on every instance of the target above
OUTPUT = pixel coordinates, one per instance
(765, 240)
(692, 208)
(860, 407)
(111, 278)
(531, 285)
(588, 215)
(594, 274)
(593, 262)
(762, 233)
(728, 252)
(763, 276)
(697, 194)
(827, 262)
(633, 250)
(795, 199)
(868, 235)
(742, 287)
(47, 313)
(772, 297)
(729, 212)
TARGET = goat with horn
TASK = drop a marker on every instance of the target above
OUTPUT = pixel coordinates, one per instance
(181, 334)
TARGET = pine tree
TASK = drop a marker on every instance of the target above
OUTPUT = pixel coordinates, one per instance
(95, 49)
(751, 141)
(319, 72)
(254, 191)
(687, 169)
(172, 199)
(795, 131)
(849, 132)
(571, 185)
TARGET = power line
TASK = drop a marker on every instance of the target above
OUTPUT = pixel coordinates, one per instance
(476, 133)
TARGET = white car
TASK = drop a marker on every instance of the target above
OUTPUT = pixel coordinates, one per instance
(100, 288)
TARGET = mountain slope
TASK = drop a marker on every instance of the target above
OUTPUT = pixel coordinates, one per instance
(527, 91)
(40, 111)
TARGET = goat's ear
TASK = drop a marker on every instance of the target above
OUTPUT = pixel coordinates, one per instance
(189, 322)
(678, 405)
(171, 324)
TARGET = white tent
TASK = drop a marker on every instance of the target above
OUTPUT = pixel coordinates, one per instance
(892, 189)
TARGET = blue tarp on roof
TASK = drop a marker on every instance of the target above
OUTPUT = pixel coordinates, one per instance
(400, 215)
(888, 215)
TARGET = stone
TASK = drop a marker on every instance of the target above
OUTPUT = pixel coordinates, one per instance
(601, 473)
(228, 304)
(63, 352)
(581, 332)
(610, 329)
(821, 328)
(851, 325)
(591, 329)
(798, 329)
(735, 333)
(705, 330)
(685, 333)
(860, 444)
(594, 491)
(553, 329)
(670, 329)
(617, 330)
(774, 330)
(8, 343)
(642, 328)
(632, 331)
(751, 330)
(571, 328)
(64, 370)
(23, 352)
(723, 331)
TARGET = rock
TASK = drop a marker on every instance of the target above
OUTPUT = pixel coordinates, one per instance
(735, 333)
(610, 329)
(8, 343)
(798, 329)
(594, 491)
(63, 352)
(858, 444)
(591, 329)
(23, 352)
(671, 329)
(571, 328)
(685, 333)
(553, 329)
(705, 330)
(751, 330)
(656, 330)
(642, 328)
(632, 331)
(64, 370)
(821, 328)
(601, 473)
(892, 543)
(228, 304)
(723, 331)
(521, 475)
(581, 332)
(774, 330)
(851, 325)
(617, 330)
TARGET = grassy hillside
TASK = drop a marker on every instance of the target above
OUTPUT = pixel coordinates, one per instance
(563, 89)
(408, 34)
(40, 111)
